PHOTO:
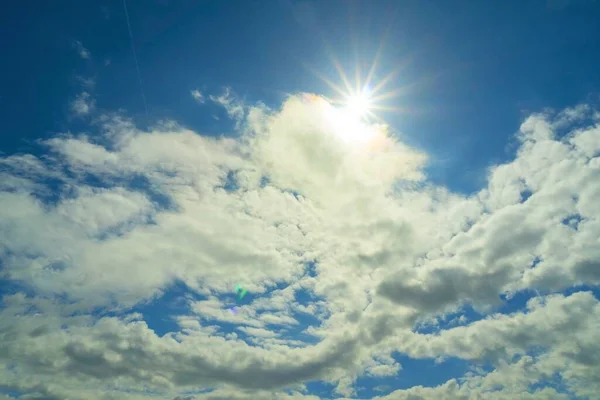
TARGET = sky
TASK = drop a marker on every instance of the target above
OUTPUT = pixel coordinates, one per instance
(300, 200)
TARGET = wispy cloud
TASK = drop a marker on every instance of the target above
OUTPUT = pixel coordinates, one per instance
(233, 107)
(87, 83)
(82, 51)
(198, 96)
(83, 104)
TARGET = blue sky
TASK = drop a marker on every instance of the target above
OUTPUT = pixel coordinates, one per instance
(480, 67)
(442, 241)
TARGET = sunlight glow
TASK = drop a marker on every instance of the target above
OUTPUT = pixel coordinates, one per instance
(358, 103)
(368, 94)
(347, 122)
(352, 121)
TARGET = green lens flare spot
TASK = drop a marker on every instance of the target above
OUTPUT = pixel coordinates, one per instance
(242, 292)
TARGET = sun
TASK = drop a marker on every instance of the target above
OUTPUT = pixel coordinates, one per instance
(358, 103)
(369, 94)
(349, 121)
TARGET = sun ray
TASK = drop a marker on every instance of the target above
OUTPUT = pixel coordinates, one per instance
(405, 88)
(403, 110)
(340, 91)
(392, 75)
(396, 109)
(382, 83)
(368, 94)
(357, 88)
(377, 56)
(371, 73)
(341, 72)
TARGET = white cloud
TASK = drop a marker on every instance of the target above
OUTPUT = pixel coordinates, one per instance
(233, 107)
(197, 95)
(82, 51)
(386, 259)
(83, 104)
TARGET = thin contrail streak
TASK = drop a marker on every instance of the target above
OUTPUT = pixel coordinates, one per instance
(137, 64)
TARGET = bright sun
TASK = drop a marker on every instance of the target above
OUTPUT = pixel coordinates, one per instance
(352, 112)
(348, 122)
(358, 104)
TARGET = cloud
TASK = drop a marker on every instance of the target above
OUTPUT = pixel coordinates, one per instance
(298, 205)
(233, 107)
(86, 83)
(83, 104)
(82, 51)
(197, 95)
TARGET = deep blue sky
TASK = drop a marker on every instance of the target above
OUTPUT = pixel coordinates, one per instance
(479, 67)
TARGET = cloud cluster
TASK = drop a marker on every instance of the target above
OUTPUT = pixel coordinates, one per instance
(292, 207)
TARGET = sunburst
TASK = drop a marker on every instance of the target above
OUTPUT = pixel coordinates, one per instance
(366, 94)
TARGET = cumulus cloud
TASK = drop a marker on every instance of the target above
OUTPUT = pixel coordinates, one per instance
(300, 203)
